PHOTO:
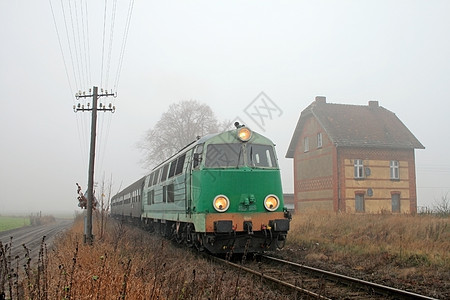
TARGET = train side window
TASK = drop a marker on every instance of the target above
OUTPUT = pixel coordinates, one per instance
(150, 181)
(151, 197)
(164, 172)
(165, 193)
(180, 164)
(173, 166)
(170, 193)
(155, 177)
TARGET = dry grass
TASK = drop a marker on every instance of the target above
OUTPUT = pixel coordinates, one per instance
(415, 240)
(403, 251)
(129, 264)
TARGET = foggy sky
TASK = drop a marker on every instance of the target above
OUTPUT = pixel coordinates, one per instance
(223, 54)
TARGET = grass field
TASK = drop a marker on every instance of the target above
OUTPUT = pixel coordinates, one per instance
(7, 223)
(403, 251)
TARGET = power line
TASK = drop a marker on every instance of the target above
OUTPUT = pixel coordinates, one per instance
(60, 47)
(82, 73)
(75, 46)
(77, 86)
(124, 42)
(84, 42)
(111, 39)
(103, 46)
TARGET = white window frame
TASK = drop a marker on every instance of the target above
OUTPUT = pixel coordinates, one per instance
(358, 169)
(319, 140)
(306, 144)
(394, 169)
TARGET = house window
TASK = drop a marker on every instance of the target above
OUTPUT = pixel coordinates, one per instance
(395, 198)
(306, 144)
(359, 202)
(319, 140)
(359, 168)
(395, 169)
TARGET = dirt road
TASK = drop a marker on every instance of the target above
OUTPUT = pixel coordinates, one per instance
(31, 236)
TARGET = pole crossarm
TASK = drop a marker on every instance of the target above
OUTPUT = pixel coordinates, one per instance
(102, 107)
(113, 109)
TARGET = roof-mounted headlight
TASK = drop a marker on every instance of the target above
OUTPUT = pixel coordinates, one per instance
(221, 203)
(271, 202)
(244, 134)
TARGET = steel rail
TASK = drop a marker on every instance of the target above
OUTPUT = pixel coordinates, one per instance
(269, 278)
(378, 288)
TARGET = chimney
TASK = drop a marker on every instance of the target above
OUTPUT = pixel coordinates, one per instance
(373, 104)
(321, 99)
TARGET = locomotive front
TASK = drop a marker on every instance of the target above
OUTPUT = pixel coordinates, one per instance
(237, 196)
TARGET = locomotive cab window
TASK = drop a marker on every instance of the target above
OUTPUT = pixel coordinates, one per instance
(197, 157)
(261, 156)
(224, 155)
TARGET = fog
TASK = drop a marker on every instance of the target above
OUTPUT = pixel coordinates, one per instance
(223, 54)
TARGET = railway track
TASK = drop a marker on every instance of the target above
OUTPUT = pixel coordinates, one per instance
(309, 282)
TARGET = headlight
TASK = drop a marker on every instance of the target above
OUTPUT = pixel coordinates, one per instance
(244, 134)
(271, 203)
(221, 203)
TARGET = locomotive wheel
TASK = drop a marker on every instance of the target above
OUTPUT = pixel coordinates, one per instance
(199, 242)
(180, 235)
(281, 241)
(190, 235)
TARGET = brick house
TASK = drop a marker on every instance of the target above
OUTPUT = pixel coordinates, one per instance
(353, 158)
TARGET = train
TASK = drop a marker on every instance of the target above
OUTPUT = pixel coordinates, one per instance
(222, 194)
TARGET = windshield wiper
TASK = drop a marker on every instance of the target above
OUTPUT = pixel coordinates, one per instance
(239, 157)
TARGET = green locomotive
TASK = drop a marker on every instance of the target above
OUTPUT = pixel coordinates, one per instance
(221, 193)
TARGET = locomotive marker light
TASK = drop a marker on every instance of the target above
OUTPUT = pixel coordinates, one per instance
(221, 203)
(271, 203)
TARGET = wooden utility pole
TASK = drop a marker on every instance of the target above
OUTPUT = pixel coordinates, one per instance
(88, 236)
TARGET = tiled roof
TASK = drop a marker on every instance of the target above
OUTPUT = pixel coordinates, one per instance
(357, 126)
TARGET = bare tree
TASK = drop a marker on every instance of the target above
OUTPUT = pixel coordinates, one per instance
(179, 126)
(442, 207)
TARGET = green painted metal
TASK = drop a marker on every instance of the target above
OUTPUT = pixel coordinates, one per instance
(246, 187)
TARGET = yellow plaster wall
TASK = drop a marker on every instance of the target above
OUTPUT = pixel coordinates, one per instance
(377, 206)
(380, 183)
